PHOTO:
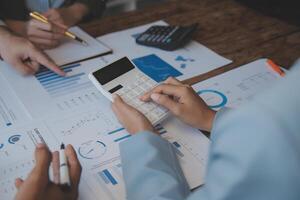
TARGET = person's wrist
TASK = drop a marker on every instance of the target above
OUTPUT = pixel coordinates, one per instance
(208, 121)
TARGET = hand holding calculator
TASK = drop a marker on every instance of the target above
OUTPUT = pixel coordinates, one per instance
(126, 80)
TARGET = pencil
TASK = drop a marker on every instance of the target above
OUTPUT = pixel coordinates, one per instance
(41, 18)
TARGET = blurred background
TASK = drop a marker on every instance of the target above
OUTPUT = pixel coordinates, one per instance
(118, 6)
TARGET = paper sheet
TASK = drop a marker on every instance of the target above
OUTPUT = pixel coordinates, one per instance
(237, 86)
(17, 154)
(52, 95)
(192, 60)
(71, 110)
(72, 51)
(95, 135)
(12, 110)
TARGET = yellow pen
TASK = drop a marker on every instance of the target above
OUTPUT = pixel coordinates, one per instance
(41, 18)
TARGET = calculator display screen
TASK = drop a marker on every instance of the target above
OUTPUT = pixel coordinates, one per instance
(113, 70)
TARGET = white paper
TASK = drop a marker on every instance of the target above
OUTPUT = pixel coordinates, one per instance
(95, 135)
(237, 86)
(11, 109)
(17, 145)
(52, 95)
(73, 51)
(80, 115)
(192, 60)
(194, 145)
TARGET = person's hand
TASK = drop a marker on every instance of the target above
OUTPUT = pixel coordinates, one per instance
(183, 102)
(24, 56)
(44, 35)
(132, 120)
(67, 16)
(38, 186)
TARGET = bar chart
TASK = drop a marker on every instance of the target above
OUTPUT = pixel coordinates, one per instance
(57, 85)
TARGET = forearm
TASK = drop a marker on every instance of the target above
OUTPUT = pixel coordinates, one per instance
(154, 173)
(16, 26)
(5, 34)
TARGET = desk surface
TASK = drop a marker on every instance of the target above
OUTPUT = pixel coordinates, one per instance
(227, 27)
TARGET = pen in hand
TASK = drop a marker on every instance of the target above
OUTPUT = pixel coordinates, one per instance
(63, 168)
(69, 34)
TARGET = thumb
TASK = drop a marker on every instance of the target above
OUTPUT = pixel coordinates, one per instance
(118, 103)
(120, 107)
(165, 101)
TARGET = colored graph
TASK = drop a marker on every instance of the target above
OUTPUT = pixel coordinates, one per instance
(92, 150)
(14, 139)
(213, 98)
(184, 61)
(108, 177)
(57, 85)
(160, 129)
(177, 148)
(124, 135)
(156, 68)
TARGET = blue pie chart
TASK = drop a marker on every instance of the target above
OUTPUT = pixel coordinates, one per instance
(222, 99)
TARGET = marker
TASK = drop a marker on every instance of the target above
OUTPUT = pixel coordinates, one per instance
(276, 68)
(63, 167)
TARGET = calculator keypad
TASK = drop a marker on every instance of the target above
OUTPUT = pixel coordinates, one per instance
(130, 94)
(166, 37)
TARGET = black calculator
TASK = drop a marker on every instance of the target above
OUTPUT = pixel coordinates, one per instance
(167, 37)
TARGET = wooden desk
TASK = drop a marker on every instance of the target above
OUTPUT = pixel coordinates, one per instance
(227, 27)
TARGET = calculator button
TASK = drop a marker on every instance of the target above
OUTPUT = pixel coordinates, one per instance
(150, 106)
(151, 118)
(149, 39)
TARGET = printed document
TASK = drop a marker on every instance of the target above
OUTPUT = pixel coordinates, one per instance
(237, 86)
(191, 60)
(71, 51)
(71, 110)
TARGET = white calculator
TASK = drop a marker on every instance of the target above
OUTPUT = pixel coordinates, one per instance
(122, 77)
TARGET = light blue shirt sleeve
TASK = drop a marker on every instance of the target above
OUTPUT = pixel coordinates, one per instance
(254, 154)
